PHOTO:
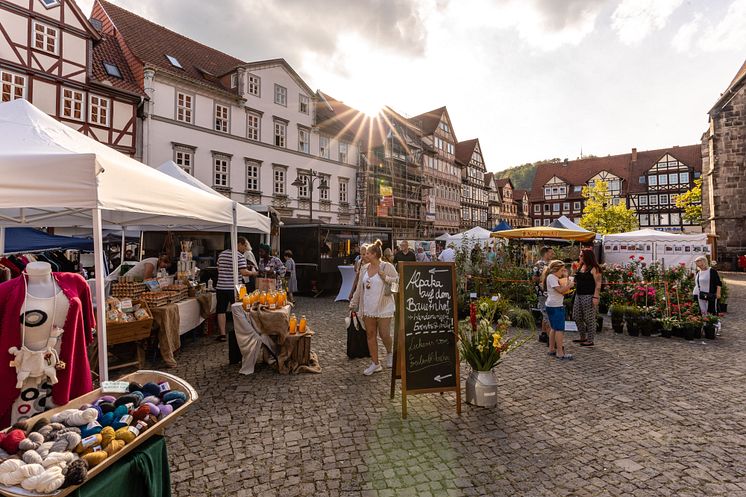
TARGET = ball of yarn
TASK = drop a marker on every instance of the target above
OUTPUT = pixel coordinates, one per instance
(107, 435)
(122, 422)
(134, 387)
(75, 473)
(32, 457)
(125, 434)
(151, 389)
(49, 432)
(175, 403)
(32, 442)
(89, 443)
(166, 409)
(127, 399)
(95, 458)
(21, 473)
(11, 441)
(91, 428)
(106, 407)
(175, 394)
(61, 459)
(106, 398)
(98, 411)
(40, 423)
(120, 411)
(151, 399)
(75, 417)
(10, 465)
(46, 482)
(139, 396)
(107, 419)
(114, 447)
(154, 409)
(66, 441)
(141, 412)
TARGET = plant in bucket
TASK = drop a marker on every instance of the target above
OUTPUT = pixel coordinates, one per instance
(484, 342)
(617, 317)
(710, 322)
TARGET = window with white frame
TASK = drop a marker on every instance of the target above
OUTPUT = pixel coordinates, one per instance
(281, 133)
(324, 192)
(343, 152)
(547, 221)
(566, 207)
(303, 104)
(537, 222)
(324, 146)
(653, 180)
(72, 104)
(653, 200)
(279, 181)
(184, 107)
(663, 199)
(576, 206)
(343, 183)
(303, 188)
(642, 200)
(547, 208)
(45, 37)
(50, 3)
(644, 220)
(252, 175)
(222, 117)
(556, 207)
(184, 158)
(675, 218)
(281, 95)
(12, 86)
(221, 170)
(98, 110)
(304, 140)
(255, 85)
(252, 126)
(537, 208)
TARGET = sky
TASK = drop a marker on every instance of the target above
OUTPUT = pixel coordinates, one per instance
(532, 79)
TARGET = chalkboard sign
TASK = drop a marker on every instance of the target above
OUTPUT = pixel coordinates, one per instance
(427, 329)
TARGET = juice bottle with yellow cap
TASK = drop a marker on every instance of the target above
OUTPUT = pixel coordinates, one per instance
(302, 325)
(293, 323)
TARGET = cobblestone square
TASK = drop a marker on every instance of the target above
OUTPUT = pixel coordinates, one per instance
(633, 416)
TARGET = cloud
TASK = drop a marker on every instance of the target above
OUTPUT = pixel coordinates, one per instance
(702, 35)
(634, 20)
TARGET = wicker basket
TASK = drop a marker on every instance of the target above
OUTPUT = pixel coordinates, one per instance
(140, 377)
(134, 331)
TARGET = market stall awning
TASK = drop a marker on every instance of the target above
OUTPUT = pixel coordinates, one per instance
(546, 232)
(30, 239)
(502, 226)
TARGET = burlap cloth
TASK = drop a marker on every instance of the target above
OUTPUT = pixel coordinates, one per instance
(166, 325)
(295, 354)
(204, 302)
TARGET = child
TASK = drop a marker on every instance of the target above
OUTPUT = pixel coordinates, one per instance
(555, 307)
(290, 274)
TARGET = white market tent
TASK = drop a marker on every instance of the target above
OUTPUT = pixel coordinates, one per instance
(54, 176)
(655, 246)
(564, 222)
(444, 237)
(473, 236)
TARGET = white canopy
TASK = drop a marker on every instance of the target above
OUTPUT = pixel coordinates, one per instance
(655, 246)
(473, 236)
(443, 237)
(247, 219)
(564, 222)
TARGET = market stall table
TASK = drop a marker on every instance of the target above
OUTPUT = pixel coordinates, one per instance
(170, 321)
(254, 328)
(348, 278)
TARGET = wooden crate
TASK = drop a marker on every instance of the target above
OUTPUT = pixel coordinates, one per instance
(134, 331)
(159, 428)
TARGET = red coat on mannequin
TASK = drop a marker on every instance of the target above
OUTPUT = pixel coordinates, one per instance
(75, 379)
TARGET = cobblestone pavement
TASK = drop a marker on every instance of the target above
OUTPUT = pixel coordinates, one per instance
(633, 416)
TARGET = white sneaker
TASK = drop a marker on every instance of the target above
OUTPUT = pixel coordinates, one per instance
(373, 368)
(389, 360)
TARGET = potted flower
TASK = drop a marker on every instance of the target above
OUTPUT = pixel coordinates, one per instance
(691, 326)
(483, 344)
(617, 318)
(668, 324)
(632, 318)
(710, 324)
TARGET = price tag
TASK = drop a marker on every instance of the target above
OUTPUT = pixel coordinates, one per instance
(114, 386)
(165, 387)
(126, 305)
(473, 295)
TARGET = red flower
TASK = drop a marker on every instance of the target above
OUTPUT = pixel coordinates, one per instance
(642, 258)
(630, 273)
(473, 316)
(631, 256)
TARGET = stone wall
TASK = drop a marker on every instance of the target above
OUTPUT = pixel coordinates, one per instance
(724, 178)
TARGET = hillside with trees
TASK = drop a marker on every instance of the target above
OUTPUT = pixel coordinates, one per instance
(523, 176)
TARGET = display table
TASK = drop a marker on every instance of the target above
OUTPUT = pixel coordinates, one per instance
(170, 321)
(263, 336)
(145, 472)
(348, 279)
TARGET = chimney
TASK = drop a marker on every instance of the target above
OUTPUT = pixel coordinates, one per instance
(565, 163)
(634, 155)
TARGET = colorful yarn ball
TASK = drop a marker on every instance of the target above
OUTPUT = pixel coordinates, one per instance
(91, 428)
(114, 447)
(106, 407)
(134, 387)
(95, 458)
(107, 435)
(125, 434)
(11, 440)
(154, 409)
(106, 398)
(151, 389)
(166, 409)
(175, 394)
(139, 396)
(122, 422)
(127, 399)
(141, 412)
(151, 399)
(107, 419)
(75, 473)
(89, 443)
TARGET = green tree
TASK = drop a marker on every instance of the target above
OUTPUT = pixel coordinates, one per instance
(601, 215)
(691, 202)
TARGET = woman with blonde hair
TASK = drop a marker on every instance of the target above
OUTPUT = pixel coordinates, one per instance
(388, 255)
(375, 301)
(555, 307)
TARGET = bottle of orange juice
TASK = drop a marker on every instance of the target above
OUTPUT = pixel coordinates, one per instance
(246, 301)
(242, 292)
(302, 324)
(263, 298)
(281, 297)
(272, 300)
(293, 323)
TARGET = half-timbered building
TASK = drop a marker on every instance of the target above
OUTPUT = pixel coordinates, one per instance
(52, 56)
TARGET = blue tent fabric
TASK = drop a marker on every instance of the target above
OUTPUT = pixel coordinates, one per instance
(503, 225)
(30, 239)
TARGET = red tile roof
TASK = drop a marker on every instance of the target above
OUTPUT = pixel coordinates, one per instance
(464, 150)
(150, 43)
(578, 172)
(501, 182)
(428, 122)
(108, 50)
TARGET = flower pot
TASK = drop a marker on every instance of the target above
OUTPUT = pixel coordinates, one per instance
(696, 332)
(617, 324)
(481, 389)
(688, 332)
(599, 324)
(723, 307)
(632, 327)
(665, 333)
(709, 330)
(677, 331)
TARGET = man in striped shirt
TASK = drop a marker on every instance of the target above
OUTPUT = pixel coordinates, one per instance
(226, 293)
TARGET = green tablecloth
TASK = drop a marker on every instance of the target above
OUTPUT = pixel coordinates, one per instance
(144, 472)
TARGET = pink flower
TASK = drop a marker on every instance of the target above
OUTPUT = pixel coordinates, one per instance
(642, 258)
(631, 256)
(682, 264)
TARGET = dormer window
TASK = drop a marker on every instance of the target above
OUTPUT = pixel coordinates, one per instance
(174, 61)
(112, 70)
(50, 3)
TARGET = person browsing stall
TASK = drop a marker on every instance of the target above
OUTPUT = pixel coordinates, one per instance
(376, 304)
(547, 255)
(226, 293)
(422, 256)
(707, 286)
(587, 296)
(404, 254)
(555, 307)
(269, 265)
(148, 268)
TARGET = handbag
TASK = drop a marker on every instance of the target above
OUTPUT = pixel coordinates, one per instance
(704, 295)
(391, 288)
(357, 338)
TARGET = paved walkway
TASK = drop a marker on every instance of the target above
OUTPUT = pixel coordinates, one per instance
(633, 416)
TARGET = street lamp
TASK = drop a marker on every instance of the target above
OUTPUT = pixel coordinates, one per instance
(308, 179)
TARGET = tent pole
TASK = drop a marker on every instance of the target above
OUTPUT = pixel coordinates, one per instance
(121, 250)
(141, 248)
(234, 247)
(103, 367)
(2, 240)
